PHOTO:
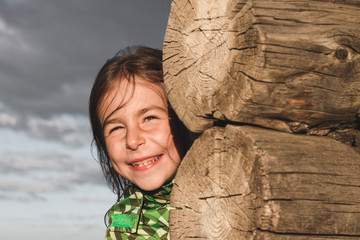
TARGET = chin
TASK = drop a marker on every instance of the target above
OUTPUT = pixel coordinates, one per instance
(150, 186)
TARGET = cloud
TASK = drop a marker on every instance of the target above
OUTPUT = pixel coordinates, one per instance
(10, 38)
(49, 56)
(25, 163)
(70, 130)
(32, 175)
(7, 120)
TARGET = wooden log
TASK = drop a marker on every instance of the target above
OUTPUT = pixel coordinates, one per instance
(242, 182)
(287, 65)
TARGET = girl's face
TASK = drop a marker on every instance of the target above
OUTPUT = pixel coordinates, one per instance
(138, 135)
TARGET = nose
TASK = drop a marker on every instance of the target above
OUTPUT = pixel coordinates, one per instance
(134, 137)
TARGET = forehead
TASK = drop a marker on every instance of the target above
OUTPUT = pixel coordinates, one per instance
(126, 95)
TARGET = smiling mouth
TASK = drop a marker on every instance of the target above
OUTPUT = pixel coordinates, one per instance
(145, 163)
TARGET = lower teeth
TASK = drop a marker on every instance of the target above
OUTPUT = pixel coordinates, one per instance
(147, 163)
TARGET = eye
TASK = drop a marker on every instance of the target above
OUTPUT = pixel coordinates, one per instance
(115, 129)
(148, 118)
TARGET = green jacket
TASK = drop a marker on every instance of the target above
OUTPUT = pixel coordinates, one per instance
(140, 215)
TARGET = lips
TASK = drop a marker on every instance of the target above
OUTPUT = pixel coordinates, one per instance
(145, 163)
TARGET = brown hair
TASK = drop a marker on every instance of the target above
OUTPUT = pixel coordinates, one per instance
(134, 61)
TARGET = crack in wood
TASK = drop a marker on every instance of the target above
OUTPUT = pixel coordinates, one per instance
(302, 69)
(324, 201)
(292, 20)
(220, 197)
(191, 4)
(297, 9)
(307, 173)
(176, 30)
(308, 234)
(171, 56)
(276, 24)
(295, 48)
(301, 109)
(210, 18)
(242, 48)
(351, 47)
(340, 184)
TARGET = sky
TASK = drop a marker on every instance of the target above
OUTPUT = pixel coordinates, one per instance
(51, 187)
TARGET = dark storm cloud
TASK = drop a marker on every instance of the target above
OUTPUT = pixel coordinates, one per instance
(50, 51)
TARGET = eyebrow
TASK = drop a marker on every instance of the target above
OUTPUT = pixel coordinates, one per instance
(139, 113)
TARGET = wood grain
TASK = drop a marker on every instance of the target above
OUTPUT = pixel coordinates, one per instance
(243, 182)
(273, 63)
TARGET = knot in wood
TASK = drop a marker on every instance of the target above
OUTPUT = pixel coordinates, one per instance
(341, 53)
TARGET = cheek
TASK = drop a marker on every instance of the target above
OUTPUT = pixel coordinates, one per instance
(113, 147)
(116, 156)
(169, 144)
(162, 136)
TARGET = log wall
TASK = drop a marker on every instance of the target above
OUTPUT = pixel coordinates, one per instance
(258, 79)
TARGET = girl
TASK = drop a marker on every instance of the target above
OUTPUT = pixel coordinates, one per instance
(139, 142)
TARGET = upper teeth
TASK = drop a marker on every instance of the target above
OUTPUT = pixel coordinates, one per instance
(144, 163)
